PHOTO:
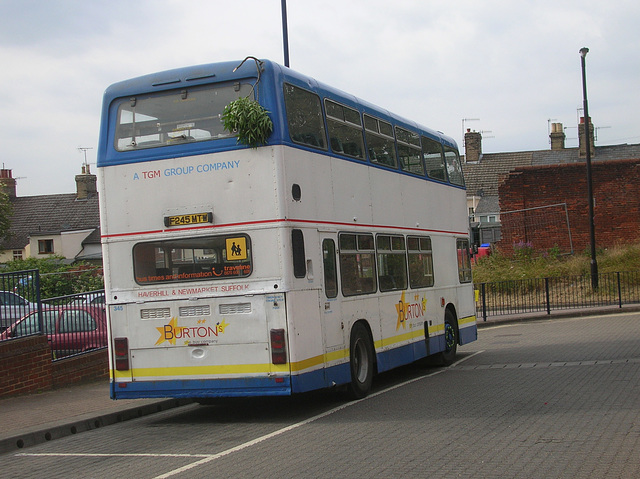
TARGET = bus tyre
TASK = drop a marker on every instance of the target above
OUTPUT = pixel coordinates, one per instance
(448, 356)
(361, 362)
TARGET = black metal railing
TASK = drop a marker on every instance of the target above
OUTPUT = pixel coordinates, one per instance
(548, 294)
(74, 324)
(19, 295)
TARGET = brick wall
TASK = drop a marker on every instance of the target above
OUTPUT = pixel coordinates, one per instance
(88, 366)
(27, 367)
(616, 192)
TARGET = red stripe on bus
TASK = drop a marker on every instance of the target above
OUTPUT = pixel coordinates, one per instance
(285, 220)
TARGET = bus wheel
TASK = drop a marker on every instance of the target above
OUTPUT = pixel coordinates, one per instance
(448, 356)
(361, 361)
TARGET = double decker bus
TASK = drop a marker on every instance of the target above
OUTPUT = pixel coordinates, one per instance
(337, 250)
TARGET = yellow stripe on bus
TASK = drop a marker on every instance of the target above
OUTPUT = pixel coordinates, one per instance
(385, 342)
(298, 366)
(467, 320)
(203, 370)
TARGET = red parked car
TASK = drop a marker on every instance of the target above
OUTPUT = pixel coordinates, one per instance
(70, 329)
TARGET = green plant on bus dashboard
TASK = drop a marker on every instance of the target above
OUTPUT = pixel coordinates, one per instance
(246, 117)
(249, 120)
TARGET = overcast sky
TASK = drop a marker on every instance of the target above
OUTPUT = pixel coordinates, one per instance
(512, 64)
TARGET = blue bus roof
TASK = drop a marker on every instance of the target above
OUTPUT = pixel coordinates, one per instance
(271, 73)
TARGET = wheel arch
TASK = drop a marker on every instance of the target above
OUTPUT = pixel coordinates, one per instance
(367, 327)
(452, 309)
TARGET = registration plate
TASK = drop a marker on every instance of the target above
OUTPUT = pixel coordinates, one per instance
(192, 219)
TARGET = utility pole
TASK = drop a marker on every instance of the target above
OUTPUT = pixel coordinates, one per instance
(587, 134)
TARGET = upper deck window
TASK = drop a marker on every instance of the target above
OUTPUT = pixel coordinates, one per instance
(380, 142)
(304, 115)
(345, 130)
(434, 159)
(409, 151)
(454, 169)
(176, 116)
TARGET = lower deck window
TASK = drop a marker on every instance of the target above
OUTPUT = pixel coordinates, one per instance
(420, 262)
(392, 263)
(357, 264)
(192, 259)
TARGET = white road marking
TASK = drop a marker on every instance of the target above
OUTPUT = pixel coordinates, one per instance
(206, 458)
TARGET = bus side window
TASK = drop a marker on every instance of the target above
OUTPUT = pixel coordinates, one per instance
(433, 159)
(345, 130)
(464, 260)
(299, 261)
(392, 262)
(357, 264)
(420, 261)
(304, 117)
(330, 270)
(454, 170)
(409, 152)
(380, 142)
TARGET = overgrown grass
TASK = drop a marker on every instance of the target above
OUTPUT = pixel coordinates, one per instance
(527, 264)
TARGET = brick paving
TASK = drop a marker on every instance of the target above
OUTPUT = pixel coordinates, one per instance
(557, 398)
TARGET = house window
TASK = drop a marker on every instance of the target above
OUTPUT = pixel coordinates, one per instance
(17, 254)
(45, 246)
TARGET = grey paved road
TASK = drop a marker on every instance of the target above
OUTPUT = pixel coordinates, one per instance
(544, 399)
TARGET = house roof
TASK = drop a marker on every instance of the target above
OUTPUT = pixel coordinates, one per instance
(482, 178)
(50, 214)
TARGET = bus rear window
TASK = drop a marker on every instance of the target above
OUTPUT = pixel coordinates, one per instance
(174, 117)
(192, 259)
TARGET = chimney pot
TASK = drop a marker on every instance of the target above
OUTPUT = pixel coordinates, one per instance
(557, 136)
(472, 146)
(582, 148)
(7, 183)
(86, 184)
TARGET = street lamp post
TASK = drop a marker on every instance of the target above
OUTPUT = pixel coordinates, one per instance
(587, 138)
(285, 33)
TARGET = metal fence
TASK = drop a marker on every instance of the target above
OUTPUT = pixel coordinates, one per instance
(19, 295)
(73, 324)
(548, 294)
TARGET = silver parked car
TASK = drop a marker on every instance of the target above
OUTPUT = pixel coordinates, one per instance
(13, 307)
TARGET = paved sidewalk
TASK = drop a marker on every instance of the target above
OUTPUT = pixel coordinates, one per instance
(36, 418)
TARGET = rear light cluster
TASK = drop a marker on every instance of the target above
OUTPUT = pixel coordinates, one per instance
(278, 347)
(121, 353)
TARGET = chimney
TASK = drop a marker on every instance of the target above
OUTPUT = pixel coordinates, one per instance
(86, 184)
(581, 139)
(557, 136)
(472, 146)
(7, 183)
